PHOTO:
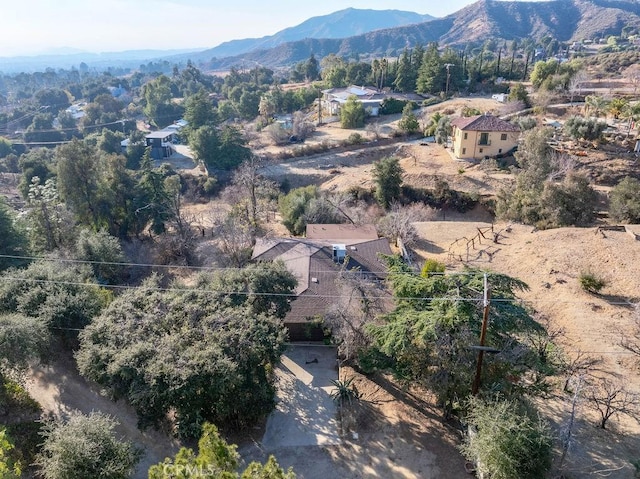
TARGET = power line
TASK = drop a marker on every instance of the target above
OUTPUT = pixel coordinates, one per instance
(215, 268)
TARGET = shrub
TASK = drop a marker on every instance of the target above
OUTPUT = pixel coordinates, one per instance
(511, 440)
(345, 391)
(355, 139)
(393, 106)
(625, 201)
(86, 446)
(432, 266)
(584, 128)
(591, 283)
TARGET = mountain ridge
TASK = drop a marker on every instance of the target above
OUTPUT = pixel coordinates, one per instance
(564, 20)
(339, 24)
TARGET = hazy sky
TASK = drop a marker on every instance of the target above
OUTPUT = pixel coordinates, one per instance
(36, 26)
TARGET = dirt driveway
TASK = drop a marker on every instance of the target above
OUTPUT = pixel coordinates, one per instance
(306, 413)
(390, 433)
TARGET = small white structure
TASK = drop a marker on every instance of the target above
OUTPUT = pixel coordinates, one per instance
(501, 97)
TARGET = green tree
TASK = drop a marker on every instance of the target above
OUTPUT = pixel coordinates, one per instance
(199, 110)
(158, 101)
(333, 71)
(293, 207)
(45, 214)
(542, 71)
(510, 440)
(6, 147)
(79, 175)
(9, 468)
(408, 123)
(432, 75)
(625, 201)
(596, 105)
(22, 339)
(233, 150)
(54, 99)
(443, 130)
(65, 298)
(13, 238)
(311, 69)
(215, 458)
(153, 200)
(204, 143)
(387, 176)
(104, 254)
(518, 92)
(427, 340)
(85, 446)
(405, 81)
(537, 198)
(197, 353)
(352, 113)
(580, 128)
(37, 162)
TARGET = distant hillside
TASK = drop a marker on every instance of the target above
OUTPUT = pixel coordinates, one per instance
(565, 20)
(341, 24)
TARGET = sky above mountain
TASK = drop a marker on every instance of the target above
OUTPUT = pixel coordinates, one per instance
(41, 26)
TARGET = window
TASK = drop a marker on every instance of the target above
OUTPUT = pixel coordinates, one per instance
(464, 151)
(484, 139)
(480, 150)
(503, 137)
(500, 150)
(465, 136)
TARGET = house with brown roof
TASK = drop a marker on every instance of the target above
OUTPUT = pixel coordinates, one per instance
(316, 262)
(483, 136)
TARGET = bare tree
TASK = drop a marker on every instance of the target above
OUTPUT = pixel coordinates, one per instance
(251, 195)
(561, 165)
(359, 304)
(632, 342)
(302, 128)
(374, 129)
(278, 135)
(576, 83)
(632, 74)
(610, 397)
(397, 224)
(578, 364)
(234, 239)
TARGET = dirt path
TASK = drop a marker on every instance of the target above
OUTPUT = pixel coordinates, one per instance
(60, 390)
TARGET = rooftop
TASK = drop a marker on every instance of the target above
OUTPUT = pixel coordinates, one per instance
(483, 123)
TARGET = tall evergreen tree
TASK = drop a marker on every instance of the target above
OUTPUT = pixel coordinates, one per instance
(432, 76)
(405, 80)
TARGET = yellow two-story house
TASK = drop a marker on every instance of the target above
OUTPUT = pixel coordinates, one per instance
(482, 136)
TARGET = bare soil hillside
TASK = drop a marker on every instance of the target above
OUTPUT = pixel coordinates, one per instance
(551, 262)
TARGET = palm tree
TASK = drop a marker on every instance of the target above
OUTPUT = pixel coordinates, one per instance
(617, 106)
(596, 104)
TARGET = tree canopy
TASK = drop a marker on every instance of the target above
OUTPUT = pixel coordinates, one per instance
(427, 337)
(206, 354)
(387, 176)
(85, 446)
(217, 459)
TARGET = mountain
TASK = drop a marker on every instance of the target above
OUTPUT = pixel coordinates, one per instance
(565, 20)
(341, 24)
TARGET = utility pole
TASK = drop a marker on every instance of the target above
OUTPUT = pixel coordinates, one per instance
(448, 66)
(483, 333)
